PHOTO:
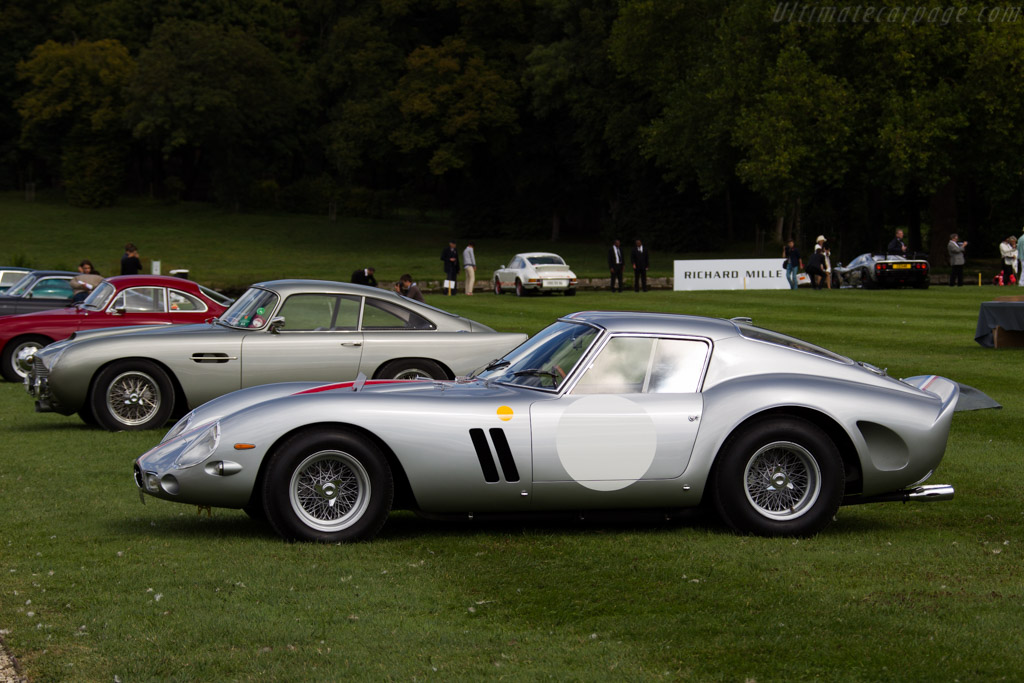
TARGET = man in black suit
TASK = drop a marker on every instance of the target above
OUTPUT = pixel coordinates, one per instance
(641, 262)
(616, 261)
(450, 259)
(897, 247)
(364, 276)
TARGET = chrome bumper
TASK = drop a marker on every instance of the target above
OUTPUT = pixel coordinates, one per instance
(38, 387)
(931, 493)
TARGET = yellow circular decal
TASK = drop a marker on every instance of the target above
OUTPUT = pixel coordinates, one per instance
(504, 413)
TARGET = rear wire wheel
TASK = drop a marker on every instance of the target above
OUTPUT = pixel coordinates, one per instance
(779, 477)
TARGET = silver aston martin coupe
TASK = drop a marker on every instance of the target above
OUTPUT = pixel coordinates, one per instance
(598, 411)
(125, 379)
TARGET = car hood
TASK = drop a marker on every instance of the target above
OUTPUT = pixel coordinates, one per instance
(242, 399)
(53, 314)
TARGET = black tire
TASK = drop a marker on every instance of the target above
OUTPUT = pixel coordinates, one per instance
(131, 395)
(520, 290)
(254, 509)
(497, 286)
(327, 485)
(412, 368)
(14, 366)
(87, 417)
(570, 292)
(778, 477)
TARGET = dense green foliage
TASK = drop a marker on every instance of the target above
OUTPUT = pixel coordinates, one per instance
(686, 121)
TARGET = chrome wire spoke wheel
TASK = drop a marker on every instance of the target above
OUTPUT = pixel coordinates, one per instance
(329, 490)
(782, 480)
(22, 356)
(133, 397)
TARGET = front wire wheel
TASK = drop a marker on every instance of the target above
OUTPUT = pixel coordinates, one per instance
(329, 491)
(131, 395)
(778, 477)
(327, 485)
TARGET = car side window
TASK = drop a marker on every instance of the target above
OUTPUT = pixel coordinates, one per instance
(634, 365)
(620, 368)
(180, 301)
(308, 312)
(52, 288)
(677, 366)
(141, 300)
(516, 264)
(385, 315)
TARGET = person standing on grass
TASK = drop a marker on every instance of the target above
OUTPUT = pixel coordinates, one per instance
(1020, 259)
(130, 262)
(641, 260)
(793, 264)
(615, 264)
(469, 265)
(365, 276)
(1008, 254)
(955, 249)
(450, 260)
(897, 247)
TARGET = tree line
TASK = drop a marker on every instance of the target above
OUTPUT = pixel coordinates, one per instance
(694, 123)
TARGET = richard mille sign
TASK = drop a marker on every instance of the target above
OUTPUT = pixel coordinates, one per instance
(759, 273)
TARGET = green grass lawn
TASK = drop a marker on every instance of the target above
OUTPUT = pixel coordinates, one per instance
(94, 585)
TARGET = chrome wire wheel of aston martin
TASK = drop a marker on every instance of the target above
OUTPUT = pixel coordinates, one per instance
(778, 476)
(329, 491)
(132, 395)
(782, 480)
(327, 484)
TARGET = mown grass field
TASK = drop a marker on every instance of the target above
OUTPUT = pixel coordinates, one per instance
(95, 586)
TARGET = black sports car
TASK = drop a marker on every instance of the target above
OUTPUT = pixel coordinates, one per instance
(881, 270)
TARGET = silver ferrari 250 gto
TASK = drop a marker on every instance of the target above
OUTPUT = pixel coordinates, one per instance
(275, 332)
(600, 410)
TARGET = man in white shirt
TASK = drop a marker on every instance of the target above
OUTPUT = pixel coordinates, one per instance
(469, 264)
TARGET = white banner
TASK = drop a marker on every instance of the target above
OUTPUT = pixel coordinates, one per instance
(750, 273)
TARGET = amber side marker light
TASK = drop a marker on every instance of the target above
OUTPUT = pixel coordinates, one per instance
(244, 446)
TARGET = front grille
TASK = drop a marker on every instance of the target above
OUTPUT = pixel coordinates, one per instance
(39, 369)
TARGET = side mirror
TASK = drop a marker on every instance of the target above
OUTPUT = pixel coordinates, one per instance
(119, 310)
(275, 324)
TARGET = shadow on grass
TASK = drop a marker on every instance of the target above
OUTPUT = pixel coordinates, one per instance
(406, 525)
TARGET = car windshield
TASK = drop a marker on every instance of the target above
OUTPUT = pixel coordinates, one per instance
(20, 287)
(214, 295)
(546, 260)
(100, 297)
(544, 361)
(252, 310)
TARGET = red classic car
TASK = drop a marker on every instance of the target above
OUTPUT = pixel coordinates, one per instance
(116, 302)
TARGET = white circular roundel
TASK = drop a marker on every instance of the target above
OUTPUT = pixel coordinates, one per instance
(606, 443)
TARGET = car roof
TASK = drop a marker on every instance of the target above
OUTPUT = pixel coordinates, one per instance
(289, 287)
(530, 254)
(125, 281)
(49, 273)
(657, 323)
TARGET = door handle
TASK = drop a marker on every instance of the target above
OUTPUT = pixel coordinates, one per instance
(351, 343)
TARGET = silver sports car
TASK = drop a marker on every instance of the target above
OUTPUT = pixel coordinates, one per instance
(599, 410)
(136, 378)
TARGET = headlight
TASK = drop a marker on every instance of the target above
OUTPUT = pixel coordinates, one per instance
(180, 426)
(50, 359)
(199, 446)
